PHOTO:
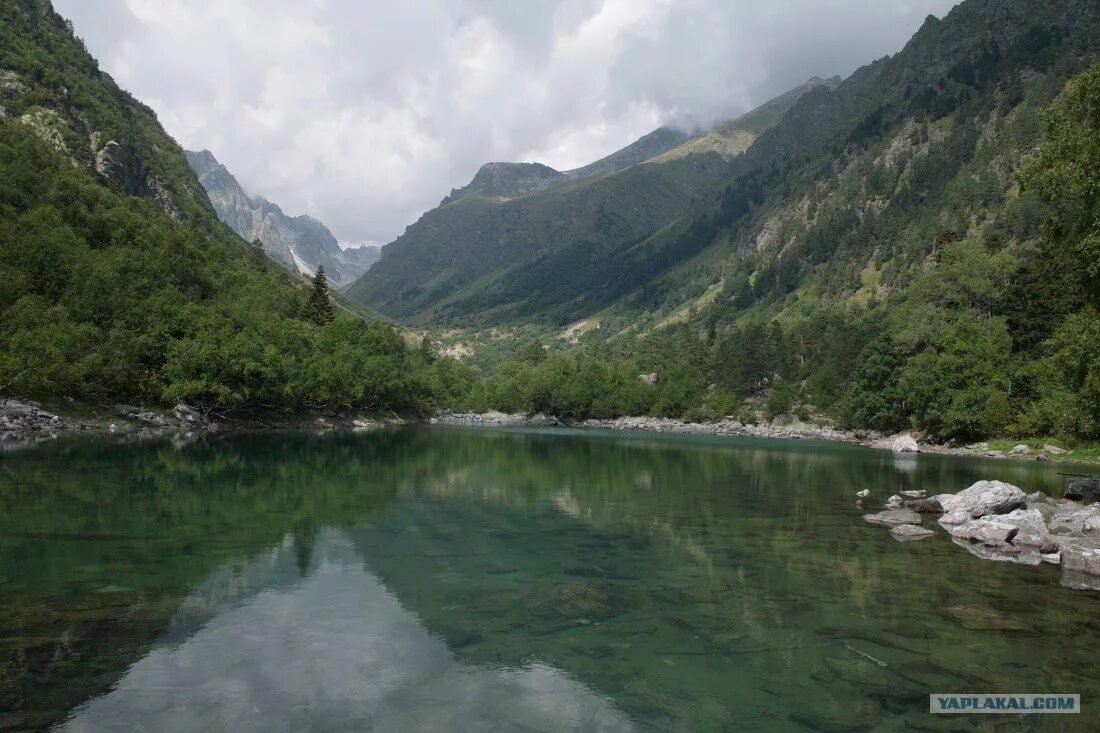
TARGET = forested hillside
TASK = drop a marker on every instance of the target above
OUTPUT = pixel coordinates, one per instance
(117, 282)
(523, 241)
(893, 252)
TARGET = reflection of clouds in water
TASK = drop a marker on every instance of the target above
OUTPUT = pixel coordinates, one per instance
(334, 651)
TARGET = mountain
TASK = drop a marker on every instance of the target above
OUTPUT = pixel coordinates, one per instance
(913, 249)
(518, 241)
(300, 243)
(835, 180)
(118, 283)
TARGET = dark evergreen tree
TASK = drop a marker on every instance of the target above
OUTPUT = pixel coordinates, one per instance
(256, 255)
(319, 308)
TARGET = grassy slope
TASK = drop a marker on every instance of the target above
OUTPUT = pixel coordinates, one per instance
(549, 255)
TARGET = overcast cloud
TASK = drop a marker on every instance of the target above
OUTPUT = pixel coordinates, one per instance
(365, 114)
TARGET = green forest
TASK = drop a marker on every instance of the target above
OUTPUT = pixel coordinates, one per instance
(105, 298)
(932, 263)
(987, 340)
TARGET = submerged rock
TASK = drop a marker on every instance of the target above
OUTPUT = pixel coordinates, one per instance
(973, 616)
(909, 532)
(893, 517)
(589, 600)
(914, 494)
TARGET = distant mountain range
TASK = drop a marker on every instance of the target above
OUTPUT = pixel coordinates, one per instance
(839, 190)
(519, 240)
(301, 243)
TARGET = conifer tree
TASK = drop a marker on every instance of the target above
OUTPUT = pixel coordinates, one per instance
(256, 255)
(319, 308)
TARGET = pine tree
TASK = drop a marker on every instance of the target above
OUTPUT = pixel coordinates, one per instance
(256, 255)
(319, 308)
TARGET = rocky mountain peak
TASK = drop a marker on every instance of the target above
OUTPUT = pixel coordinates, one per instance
(299, 243)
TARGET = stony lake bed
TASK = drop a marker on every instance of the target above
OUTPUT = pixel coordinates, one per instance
(439, 577)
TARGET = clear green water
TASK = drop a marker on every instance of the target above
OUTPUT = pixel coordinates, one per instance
(452, 579)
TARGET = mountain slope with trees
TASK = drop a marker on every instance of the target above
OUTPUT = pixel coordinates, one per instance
(117, 281)
(523, 240)
(894, 253)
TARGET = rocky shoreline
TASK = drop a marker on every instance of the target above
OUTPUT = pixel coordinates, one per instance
(994, 520)
(792, 430)
(789, 431)
(24, 423)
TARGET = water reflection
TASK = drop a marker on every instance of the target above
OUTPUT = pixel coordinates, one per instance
(333, 650)
(448, 578)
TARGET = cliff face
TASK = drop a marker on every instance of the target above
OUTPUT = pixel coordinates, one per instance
(301, 243)
(50, 84)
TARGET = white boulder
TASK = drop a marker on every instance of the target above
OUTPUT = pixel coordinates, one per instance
(984, 497)
(906, 444)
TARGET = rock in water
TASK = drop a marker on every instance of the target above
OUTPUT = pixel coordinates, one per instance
(1032, 529)
(986, 531)
(908, 532)
(863, 493)
(980, 499)
(893, 517)
(925, 506)
(914, 494)
(906, 444)
(1081, 558)
(1082, 488)
(1071, 520)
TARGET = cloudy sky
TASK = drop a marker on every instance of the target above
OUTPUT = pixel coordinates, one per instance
(365, 113)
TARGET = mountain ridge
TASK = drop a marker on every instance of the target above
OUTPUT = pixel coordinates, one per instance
(299, 243)
(455, 257)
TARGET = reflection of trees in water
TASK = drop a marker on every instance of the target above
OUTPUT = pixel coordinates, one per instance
(495, 539)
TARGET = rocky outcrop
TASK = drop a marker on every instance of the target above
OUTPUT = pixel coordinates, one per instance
(994, 520)
(299, 243)
(25, 421)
